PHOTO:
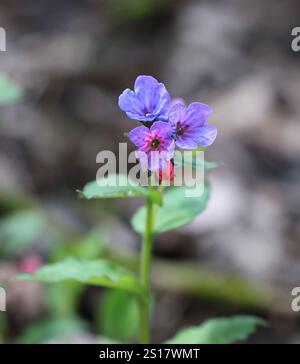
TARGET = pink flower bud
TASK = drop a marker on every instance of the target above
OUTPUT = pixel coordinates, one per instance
(167, 173)
(30, 264)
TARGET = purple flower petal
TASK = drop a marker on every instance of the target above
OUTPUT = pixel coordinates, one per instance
(189, 125)
(194, 138)
(161, 128)
(155, 145)
(201, 137)
(177, 114)
(154, 94)
(158, 160)
(165, 132)
(151, 161)
(154, 161)
(207, 135)
(129, 102)
(138, 135)
(187, 143)
(198, 112)
(148, 101)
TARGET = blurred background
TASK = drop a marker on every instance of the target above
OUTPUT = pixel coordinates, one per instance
(66, 64)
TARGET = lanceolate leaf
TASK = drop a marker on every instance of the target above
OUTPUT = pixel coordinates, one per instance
(99, 272)
(178, 209)
(218, 331)
(115, 186)
(188, 159)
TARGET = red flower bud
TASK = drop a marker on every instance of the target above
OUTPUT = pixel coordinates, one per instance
(30, 264)
(167, 173)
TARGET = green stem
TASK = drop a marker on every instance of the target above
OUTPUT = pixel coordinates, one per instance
(146, 254)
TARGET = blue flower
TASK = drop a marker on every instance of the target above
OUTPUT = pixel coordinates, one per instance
(155, 144)
(189, 128)
(148, 102)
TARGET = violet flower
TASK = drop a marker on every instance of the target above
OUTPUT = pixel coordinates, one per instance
(155, 145)
(190, 131)
(148, 102)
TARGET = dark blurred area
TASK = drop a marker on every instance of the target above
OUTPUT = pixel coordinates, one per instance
(73, 59)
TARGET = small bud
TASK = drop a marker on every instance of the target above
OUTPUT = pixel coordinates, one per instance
(167, 173)
(30, 264)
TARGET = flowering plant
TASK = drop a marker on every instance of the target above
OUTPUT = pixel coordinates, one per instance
(166, 124)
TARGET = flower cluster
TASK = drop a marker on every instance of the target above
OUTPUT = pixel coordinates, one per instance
(166, 123)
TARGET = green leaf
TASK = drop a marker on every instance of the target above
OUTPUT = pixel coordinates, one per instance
(98, 272)
(19, 230)
(118, 315)
(115, 186)
(177, 210)
(63, 298)
(50, 329)
(218, 331)
(187, 158)
(9, 91)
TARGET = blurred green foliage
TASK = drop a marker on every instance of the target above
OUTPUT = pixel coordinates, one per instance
(63, 299)
(218, 331)
(9, 91)
(132, 10)
(118, 315)
(18, 231)
(54, 328)
(89, 246)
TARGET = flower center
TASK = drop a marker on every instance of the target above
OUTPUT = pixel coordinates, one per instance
(155, 143)
(146, 111)
(180, 131)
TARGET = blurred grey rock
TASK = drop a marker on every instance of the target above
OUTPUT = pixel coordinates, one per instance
(25, 300)
(12, 178)
(119, 236)
(207, 39)
(226, 205)
(245, 105)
